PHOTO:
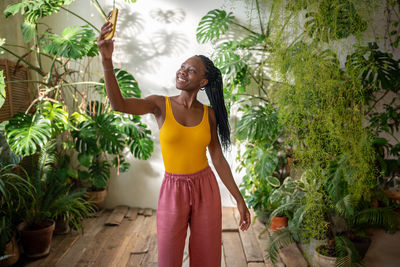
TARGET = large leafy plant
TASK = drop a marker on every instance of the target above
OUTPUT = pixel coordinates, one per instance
(291, 56)
(63, 105)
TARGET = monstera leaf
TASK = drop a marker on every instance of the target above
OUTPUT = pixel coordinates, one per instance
(213, 25)
(377, 70)
(75, 42)
(142, 148)
(100, 134)
(259, 124)
(56, 114)
(28, 30)
(127, 83)
(335, 19)
(35, 9)
(26, 134)
(100, 173)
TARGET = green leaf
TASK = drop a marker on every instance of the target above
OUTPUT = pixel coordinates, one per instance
(259, 124)
(334, 19)
(35, 9)
(142, 148)
(213, 25)
(273, 181)
(375, 69)
(75, 42)
(27, 134)
(85, 159)
(28, 30)
(128, 85)
(55, 113)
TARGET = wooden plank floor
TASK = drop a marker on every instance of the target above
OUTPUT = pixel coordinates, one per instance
(127, 237)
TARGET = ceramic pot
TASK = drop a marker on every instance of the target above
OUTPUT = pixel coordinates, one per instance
(97, 198)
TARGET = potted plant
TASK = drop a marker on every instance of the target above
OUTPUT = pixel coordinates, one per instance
(51, 200)
(101, 137)
(283, 201)
(14, 191)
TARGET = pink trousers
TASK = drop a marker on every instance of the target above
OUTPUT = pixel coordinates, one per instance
(194, 200)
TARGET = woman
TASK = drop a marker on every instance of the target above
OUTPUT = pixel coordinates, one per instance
(189, 193)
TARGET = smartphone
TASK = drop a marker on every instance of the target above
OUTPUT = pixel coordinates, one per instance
(112, 17)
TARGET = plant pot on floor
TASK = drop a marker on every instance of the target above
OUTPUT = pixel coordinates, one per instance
(326, 261)
(97, 198)
(36, 242)
(278, 222)
(12, 249)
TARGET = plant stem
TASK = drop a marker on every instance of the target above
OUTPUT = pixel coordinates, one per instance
(243, 27)
(51, 70)
(259, 16)
(23, 60)
(376, 102)
(252, 96)
(73, 13)
(33, 50)
(98, 7)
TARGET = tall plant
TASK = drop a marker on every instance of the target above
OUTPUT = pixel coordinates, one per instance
(291, 54)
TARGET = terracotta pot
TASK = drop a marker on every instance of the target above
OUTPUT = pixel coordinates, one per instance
(36, 243)
(97, 198)
(278, 222)
(11, 249)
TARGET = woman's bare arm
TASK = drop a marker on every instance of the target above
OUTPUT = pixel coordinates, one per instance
(225, 173)
(134, 106)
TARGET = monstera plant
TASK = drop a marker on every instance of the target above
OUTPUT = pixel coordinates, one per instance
(69, 105)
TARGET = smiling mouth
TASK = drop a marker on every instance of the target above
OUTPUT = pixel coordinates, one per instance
(179, 79)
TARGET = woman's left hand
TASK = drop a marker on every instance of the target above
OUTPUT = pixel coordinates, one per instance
(245, 221)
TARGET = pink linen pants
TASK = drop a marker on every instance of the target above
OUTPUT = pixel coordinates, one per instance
(194, 200)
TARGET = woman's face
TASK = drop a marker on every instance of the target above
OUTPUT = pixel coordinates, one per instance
(191, 75)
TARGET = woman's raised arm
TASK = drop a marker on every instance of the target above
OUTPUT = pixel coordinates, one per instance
(134, 106)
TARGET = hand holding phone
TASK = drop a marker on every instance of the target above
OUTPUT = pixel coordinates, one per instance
(112, 17)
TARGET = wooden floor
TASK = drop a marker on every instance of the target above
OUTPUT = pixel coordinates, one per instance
(127, 237)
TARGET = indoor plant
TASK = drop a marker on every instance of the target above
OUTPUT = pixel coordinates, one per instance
(51, 200)
(15, 190)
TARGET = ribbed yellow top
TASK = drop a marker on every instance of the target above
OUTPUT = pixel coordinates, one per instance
(184, 148)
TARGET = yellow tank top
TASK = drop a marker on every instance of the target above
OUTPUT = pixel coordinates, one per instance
(183, 148)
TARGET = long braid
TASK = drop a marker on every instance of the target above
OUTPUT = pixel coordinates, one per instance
(214, 91)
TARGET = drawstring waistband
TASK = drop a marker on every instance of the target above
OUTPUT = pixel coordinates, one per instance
(190, 185)
(188, 179)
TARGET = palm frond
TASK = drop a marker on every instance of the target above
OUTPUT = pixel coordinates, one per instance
(277, 240)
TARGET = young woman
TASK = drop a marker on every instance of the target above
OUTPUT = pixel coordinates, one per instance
(189, 193)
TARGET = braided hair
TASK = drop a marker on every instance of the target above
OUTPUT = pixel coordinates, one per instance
(214, 91)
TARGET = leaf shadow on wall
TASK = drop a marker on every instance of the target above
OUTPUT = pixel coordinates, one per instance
(140, 47)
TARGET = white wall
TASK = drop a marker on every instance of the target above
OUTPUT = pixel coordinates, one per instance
(151, 45)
